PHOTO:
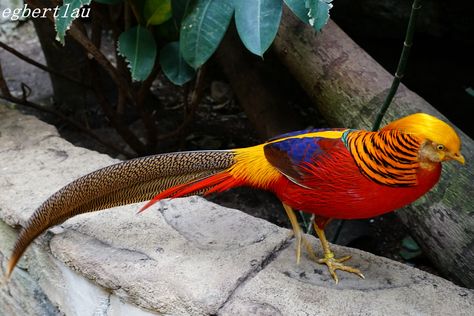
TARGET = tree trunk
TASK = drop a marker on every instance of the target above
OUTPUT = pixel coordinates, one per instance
(348, 87)
(265, 106)
(70, 60)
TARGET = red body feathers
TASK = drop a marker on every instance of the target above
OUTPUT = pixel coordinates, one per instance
(316, 172)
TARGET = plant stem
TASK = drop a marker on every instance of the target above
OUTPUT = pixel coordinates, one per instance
(3, 84)
(196, 97)
(91, 49)
(30, 61)
(415, 9)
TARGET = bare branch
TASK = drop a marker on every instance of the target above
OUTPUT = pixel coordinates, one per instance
(196, 97)
(82, 39)
(23, 101)
(30, 61)
(3, 84)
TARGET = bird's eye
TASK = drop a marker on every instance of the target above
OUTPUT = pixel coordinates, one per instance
(440, 147)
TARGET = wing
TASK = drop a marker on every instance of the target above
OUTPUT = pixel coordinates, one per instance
(309, 131)
(299, 156)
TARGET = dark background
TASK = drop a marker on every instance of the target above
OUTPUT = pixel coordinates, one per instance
(441, 64)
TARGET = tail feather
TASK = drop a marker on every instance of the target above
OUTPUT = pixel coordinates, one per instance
(219, 182)
(128, 182)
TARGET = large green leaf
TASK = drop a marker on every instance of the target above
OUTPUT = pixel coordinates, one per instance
(203, 28)
(138, 47)
(67, 13)
(157, 11)
(318, 12)
(257, 23)
(174, 66)
(299, 8)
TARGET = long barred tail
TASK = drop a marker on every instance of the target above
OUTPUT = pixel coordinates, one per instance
(137, 180)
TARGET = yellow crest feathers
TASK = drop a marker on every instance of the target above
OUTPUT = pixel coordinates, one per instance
(428, 127)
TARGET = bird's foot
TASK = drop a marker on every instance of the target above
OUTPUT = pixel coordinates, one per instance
(334, 264)
(302, 241)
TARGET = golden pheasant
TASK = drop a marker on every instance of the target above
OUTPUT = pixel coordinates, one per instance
(332, 173)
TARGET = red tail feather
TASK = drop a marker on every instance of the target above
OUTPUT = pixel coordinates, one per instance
(216, 183)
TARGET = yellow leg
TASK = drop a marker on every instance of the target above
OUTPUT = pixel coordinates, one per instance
(298, 234)
(332, 263)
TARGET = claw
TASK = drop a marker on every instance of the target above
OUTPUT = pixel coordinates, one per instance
(334, 264)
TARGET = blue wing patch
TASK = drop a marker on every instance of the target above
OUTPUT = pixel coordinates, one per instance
(299, 150)
(292, 155)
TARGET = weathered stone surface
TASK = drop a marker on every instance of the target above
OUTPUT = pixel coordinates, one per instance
(389, 288)
(187, 259)
(181, 257)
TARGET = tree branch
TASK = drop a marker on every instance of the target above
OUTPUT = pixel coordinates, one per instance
(3, 84)
(23, 101)
(30, 61)
(82, 39)
(196, 97)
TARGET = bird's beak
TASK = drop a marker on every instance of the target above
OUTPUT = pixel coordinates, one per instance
(458, 157)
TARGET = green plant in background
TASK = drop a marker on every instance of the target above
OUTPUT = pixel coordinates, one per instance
(470, 91)
(200, 26)
(176, 37)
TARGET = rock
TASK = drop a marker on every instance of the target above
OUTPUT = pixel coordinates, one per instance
(389, 288)
(182, 257)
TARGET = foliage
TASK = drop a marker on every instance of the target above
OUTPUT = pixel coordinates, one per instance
(318, 12)
(173, 64)
(157, 11)
(138, 47)
(67, 14)
(200, 26)
(257, 23)
(174, 36)
(470, 91)
(203, 28)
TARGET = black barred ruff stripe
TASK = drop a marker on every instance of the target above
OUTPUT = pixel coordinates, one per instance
(120, 184)
(386, 157)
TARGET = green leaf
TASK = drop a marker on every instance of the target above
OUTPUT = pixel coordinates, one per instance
(299, 8)
(157, 11)
(138, 47)
(410, 244)
(203, 28)
(257, 23)
(410, 249)
(67, 13)
(318, 12)
(174, 66)
(108, 1)
(470, 91)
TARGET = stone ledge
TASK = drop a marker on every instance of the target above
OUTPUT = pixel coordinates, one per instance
(181, 257)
